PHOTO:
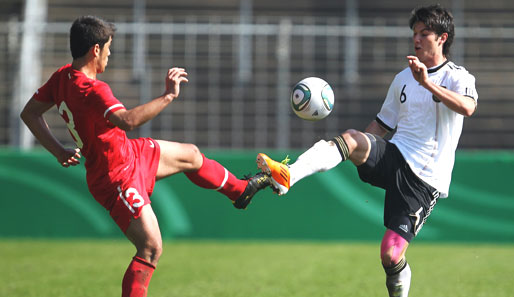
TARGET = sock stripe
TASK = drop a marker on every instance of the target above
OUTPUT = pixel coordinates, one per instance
(396, 268)
(224, 180)
(143, 261)
(342, 147)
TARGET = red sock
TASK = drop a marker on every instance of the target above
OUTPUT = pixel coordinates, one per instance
(137, 277)
(212, 175)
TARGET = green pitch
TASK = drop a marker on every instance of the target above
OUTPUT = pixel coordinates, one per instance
(260, 269)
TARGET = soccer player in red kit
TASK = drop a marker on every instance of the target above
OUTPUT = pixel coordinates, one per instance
(121, 172)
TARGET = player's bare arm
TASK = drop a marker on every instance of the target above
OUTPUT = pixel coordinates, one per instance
(137, 116)
(456, 102)
(375, 128)
(32, 115)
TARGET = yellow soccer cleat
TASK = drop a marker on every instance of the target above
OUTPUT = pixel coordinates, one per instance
(279, 173)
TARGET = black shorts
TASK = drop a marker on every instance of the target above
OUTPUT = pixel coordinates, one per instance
(408, 199)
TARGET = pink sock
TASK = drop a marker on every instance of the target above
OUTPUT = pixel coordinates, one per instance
(137, 277)
(212, 175)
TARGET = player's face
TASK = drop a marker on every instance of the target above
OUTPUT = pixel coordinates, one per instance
(427, 45)
(104, 56)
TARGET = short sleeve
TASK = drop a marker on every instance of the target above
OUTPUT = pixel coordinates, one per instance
(103, 99)
(46, 92)
(464, 83)
(388, 115)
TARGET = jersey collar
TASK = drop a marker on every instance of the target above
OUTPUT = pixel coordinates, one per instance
(432, 70)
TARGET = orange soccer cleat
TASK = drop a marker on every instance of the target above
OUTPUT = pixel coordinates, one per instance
(279, 173)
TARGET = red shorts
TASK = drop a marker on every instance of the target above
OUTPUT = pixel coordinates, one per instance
(132, 191)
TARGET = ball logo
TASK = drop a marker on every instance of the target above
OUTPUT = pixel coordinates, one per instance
(328, 97)
(300, 97)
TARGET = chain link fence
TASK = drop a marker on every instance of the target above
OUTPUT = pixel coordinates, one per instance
(241, 75)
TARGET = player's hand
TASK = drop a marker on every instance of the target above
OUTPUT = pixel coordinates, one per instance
(418, 69)
(70, 157)
(174, 78)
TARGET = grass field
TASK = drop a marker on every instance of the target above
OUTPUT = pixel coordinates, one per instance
(261, 269)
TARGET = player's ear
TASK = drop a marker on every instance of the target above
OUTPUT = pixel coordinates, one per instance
(96, 50)
(443, 37)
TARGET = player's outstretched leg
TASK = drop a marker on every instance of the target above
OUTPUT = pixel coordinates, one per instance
(322, 156)
(212, 175)
(255, 184)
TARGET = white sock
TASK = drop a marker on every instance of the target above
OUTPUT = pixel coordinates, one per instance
(398, 284)
(322, 156)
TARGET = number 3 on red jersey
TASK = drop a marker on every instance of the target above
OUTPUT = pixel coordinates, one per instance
(63, 108)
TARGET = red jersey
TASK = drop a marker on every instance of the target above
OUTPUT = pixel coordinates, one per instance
(85, 105)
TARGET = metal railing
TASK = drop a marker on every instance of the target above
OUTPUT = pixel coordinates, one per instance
(241, 76)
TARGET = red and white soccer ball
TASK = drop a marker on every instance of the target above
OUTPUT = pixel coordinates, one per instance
(312, 99)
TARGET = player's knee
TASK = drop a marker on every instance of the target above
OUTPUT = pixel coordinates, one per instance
(356, 142)
(352, 136)
(195, 157)
(350, 132)
(389, 259)
(153, 251)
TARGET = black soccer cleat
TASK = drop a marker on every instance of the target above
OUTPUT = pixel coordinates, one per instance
(255, 183)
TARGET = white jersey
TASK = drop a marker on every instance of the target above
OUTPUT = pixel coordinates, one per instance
(427, 132)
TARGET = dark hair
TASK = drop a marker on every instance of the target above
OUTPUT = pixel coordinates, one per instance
(438, 19)
(86, 31)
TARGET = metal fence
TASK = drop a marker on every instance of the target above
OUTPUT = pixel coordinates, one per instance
(241, 74)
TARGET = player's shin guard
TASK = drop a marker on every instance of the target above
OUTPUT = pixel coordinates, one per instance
(212, 175)
(137, 278)
(398, 279)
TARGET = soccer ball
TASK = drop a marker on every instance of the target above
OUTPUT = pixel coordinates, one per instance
(312, 99)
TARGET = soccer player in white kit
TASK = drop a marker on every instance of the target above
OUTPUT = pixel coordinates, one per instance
(426, 104)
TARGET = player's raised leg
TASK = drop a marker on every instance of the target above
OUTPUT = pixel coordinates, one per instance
(208, 173)
(322, 156)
